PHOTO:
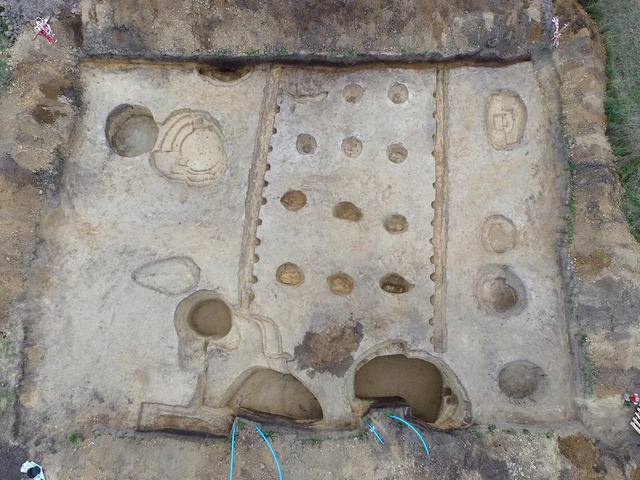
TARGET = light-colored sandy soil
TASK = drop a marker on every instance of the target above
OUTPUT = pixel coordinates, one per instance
(101, 333)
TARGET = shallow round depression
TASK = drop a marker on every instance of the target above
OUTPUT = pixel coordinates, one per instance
(131, 130)
(211, 318)
(500, 291)
(520, 379)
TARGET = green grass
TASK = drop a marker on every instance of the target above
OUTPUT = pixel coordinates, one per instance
(73, 438)
(8, 350)
(4, 55)
(589, 373)
(571, 206)
(7, 398)
(619, 23)
(342, 52)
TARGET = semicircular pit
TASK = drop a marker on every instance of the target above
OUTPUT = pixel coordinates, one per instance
(416, 381)
(274, 393)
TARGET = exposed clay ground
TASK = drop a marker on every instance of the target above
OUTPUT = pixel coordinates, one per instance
(526, 313)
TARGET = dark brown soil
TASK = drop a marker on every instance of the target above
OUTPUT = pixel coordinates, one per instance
(582, 454)
(394, 283)
(329, 350)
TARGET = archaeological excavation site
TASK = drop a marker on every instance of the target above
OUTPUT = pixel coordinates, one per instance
(362, 231)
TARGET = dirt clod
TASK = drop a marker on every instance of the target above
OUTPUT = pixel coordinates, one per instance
(347, 211)
(289, 274)
(340, 284)
(396, 284)
(293, 200)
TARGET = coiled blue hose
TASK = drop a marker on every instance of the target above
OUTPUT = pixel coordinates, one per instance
(424, 444)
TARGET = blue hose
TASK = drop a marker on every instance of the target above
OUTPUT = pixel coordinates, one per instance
(373, 429)
(424, 444)
(233, 440)
(272, 452)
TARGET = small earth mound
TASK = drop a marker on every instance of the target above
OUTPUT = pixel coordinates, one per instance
(293, 200)
(340, 284)
(347, 211)
(396, 224)
(396, 284)
(289, 274)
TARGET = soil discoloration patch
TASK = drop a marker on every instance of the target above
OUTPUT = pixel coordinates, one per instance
(329, 350)
(590, 265)
(582, 454)
(44, 115)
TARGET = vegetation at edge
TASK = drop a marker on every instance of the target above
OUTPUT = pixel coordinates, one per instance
(619, 24)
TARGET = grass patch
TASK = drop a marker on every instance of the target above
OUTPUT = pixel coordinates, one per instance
(619, 23)
(342, 52)
(8, 350)
(571, 206)
(7, 399)
(589, 374)
(4, 55)
(73, 438)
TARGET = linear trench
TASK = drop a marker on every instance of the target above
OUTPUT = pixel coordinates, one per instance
(256, 184)
(439, 339)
